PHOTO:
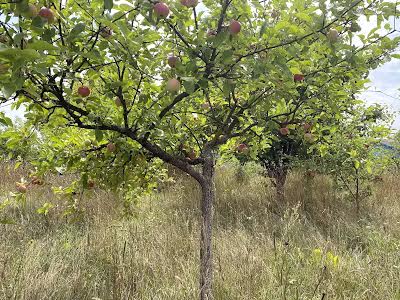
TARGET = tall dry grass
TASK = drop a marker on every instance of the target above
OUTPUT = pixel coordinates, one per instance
(314, 247)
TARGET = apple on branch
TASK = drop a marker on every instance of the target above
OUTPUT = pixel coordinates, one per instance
(235, 27)
(298, 77)
(243, 148)
(333, 35)
(161, 10)
(173, 85)
(83, 91)
(284, 131)
(47, 14)
(173, 60)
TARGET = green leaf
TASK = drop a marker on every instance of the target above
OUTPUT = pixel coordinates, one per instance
(76, 31)
(99, 135)
(41, 46)
(189, 84)
(108, 4)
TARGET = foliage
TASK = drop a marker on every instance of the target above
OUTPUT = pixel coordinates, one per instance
(103, 67)
(18, 142)
(352, 155)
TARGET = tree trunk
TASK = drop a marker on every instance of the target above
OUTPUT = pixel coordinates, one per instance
(207, 203)
(279, 175)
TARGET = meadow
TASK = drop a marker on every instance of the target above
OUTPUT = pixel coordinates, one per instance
(313, 246)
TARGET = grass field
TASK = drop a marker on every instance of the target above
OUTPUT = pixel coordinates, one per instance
(313, 247)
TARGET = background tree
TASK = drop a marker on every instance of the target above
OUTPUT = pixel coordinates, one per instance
(177, 81)
(352, 155)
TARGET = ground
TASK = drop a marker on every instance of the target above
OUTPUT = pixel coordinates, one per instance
(262, 249)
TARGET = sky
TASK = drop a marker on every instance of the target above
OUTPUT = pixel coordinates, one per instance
(383, 88)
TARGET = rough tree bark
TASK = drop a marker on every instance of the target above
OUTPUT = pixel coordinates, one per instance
(207, 204)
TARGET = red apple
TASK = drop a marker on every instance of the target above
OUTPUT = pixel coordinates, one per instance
(111, 147)
(83, 91)
(21, 188)
(118, 102)
(243, 148)
(161, 10)
(235, 27)
(332, 35)
(284, 131)
(173, 85)
(47, 14)
(172, 61)
(106, 32)
(298, 77)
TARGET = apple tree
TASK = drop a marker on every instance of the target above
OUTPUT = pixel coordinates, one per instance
(352, 154)
(179, 80)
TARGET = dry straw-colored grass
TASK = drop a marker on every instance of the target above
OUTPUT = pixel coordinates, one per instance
(315, 245)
